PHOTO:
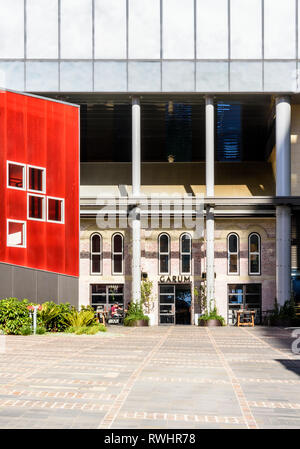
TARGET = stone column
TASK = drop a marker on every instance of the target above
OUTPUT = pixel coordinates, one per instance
(136, 146)
(283, 188)
(136, 254)
(135, 213)
(210, 254)
(209, 146)
(210, 191)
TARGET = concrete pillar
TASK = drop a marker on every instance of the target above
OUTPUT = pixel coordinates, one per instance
(136, 146)
(136, 187)
(283, 254)
(209, 146)
(283, 146)
(210, 191)
(283, 188)
(210, 255)
(136, 254)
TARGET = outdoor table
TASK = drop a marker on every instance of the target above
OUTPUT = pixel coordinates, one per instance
(244, 313)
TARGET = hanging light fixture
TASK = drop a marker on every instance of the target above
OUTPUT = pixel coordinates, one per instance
(170, 107)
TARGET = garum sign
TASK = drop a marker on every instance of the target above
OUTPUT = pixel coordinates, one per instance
(175, 279)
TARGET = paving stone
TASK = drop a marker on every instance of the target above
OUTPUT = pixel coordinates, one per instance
(152, 378)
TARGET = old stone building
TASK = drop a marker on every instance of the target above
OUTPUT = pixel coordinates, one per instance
(189, 150)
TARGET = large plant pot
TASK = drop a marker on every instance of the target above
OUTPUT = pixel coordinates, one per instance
(140, 323)
(210, 323)
(152, 317)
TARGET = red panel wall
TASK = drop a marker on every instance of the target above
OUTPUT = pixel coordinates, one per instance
(43, 133)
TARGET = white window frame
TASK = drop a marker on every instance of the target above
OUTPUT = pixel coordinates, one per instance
(62, 209)
(255, 253)
(189, 253)
(160, 253)
(43, 169)
(113, 253)
(7, 175)
(43, 208)
(96, 254)
(11, 220)
(237, 253)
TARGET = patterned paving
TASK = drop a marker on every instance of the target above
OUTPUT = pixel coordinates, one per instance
(161, 377)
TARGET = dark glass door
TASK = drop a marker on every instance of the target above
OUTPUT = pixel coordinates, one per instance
(183, 301)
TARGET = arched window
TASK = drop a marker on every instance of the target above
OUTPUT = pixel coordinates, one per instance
(254, 253)
(233, 257)
(185, 253)
(164, 253)
(96, 254)
(117, 254)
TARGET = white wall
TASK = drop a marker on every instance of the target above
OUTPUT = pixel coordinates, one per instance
(149, 45)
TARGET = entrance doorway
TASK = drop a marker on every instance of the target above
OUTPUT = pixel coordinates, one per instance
(175, 304)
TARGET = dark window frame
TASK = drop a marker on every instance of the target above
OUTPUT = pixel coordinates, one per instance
(168, 253)
(255, 253)
(181, 253)
(113, 252)
(92, 253)
(237, 253)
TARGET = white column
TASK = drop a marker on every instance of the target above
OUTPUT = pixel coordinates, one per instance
(283, 254)
(210, 254)
(283, 188)
(136, 254)
(136, 186)
(210, 191)
(136, 146)
(209, 146)
(283, 146)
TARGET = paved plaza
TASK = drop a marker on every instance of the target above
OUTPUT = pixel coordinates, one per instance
(159, 377)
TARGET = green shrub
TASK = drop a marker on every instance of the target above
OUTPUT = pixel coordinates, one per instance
(79, 319)
(89, 330)
(284, 315)
(14, 315)
(53, 316)
(25, 330)
(70, 330)
(88, 308)
(135, 313)
(92, 330)
(40, 330)
(81, 330)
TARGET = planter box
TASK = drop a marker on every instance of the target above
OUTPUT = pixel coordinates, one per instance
(140, 323)
(210, 323)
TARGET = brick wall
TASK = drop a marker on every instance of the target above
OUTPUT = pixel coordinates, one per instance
(149, 260)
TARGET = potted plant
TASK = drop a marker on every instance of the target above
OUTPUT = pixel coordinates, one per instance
(147, 299)
(209, 315)
(135, 316)
(211, 318)
(284, 315)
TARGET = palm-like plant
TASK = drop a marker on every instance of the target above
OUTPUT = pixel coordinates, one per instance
(77, 319)
(48, 313)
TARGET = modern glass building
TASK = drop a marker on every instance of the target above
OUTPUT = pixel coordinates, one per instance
(189, 151)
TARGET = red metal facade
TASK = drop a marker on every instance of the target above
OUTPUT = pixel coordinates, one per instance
(43, 133)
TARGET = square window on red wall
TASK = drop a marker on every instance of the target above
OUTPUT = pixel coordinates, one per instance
(16, 175)
(55, 210)
(36, 179)
(16, 233)
(36, 207)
